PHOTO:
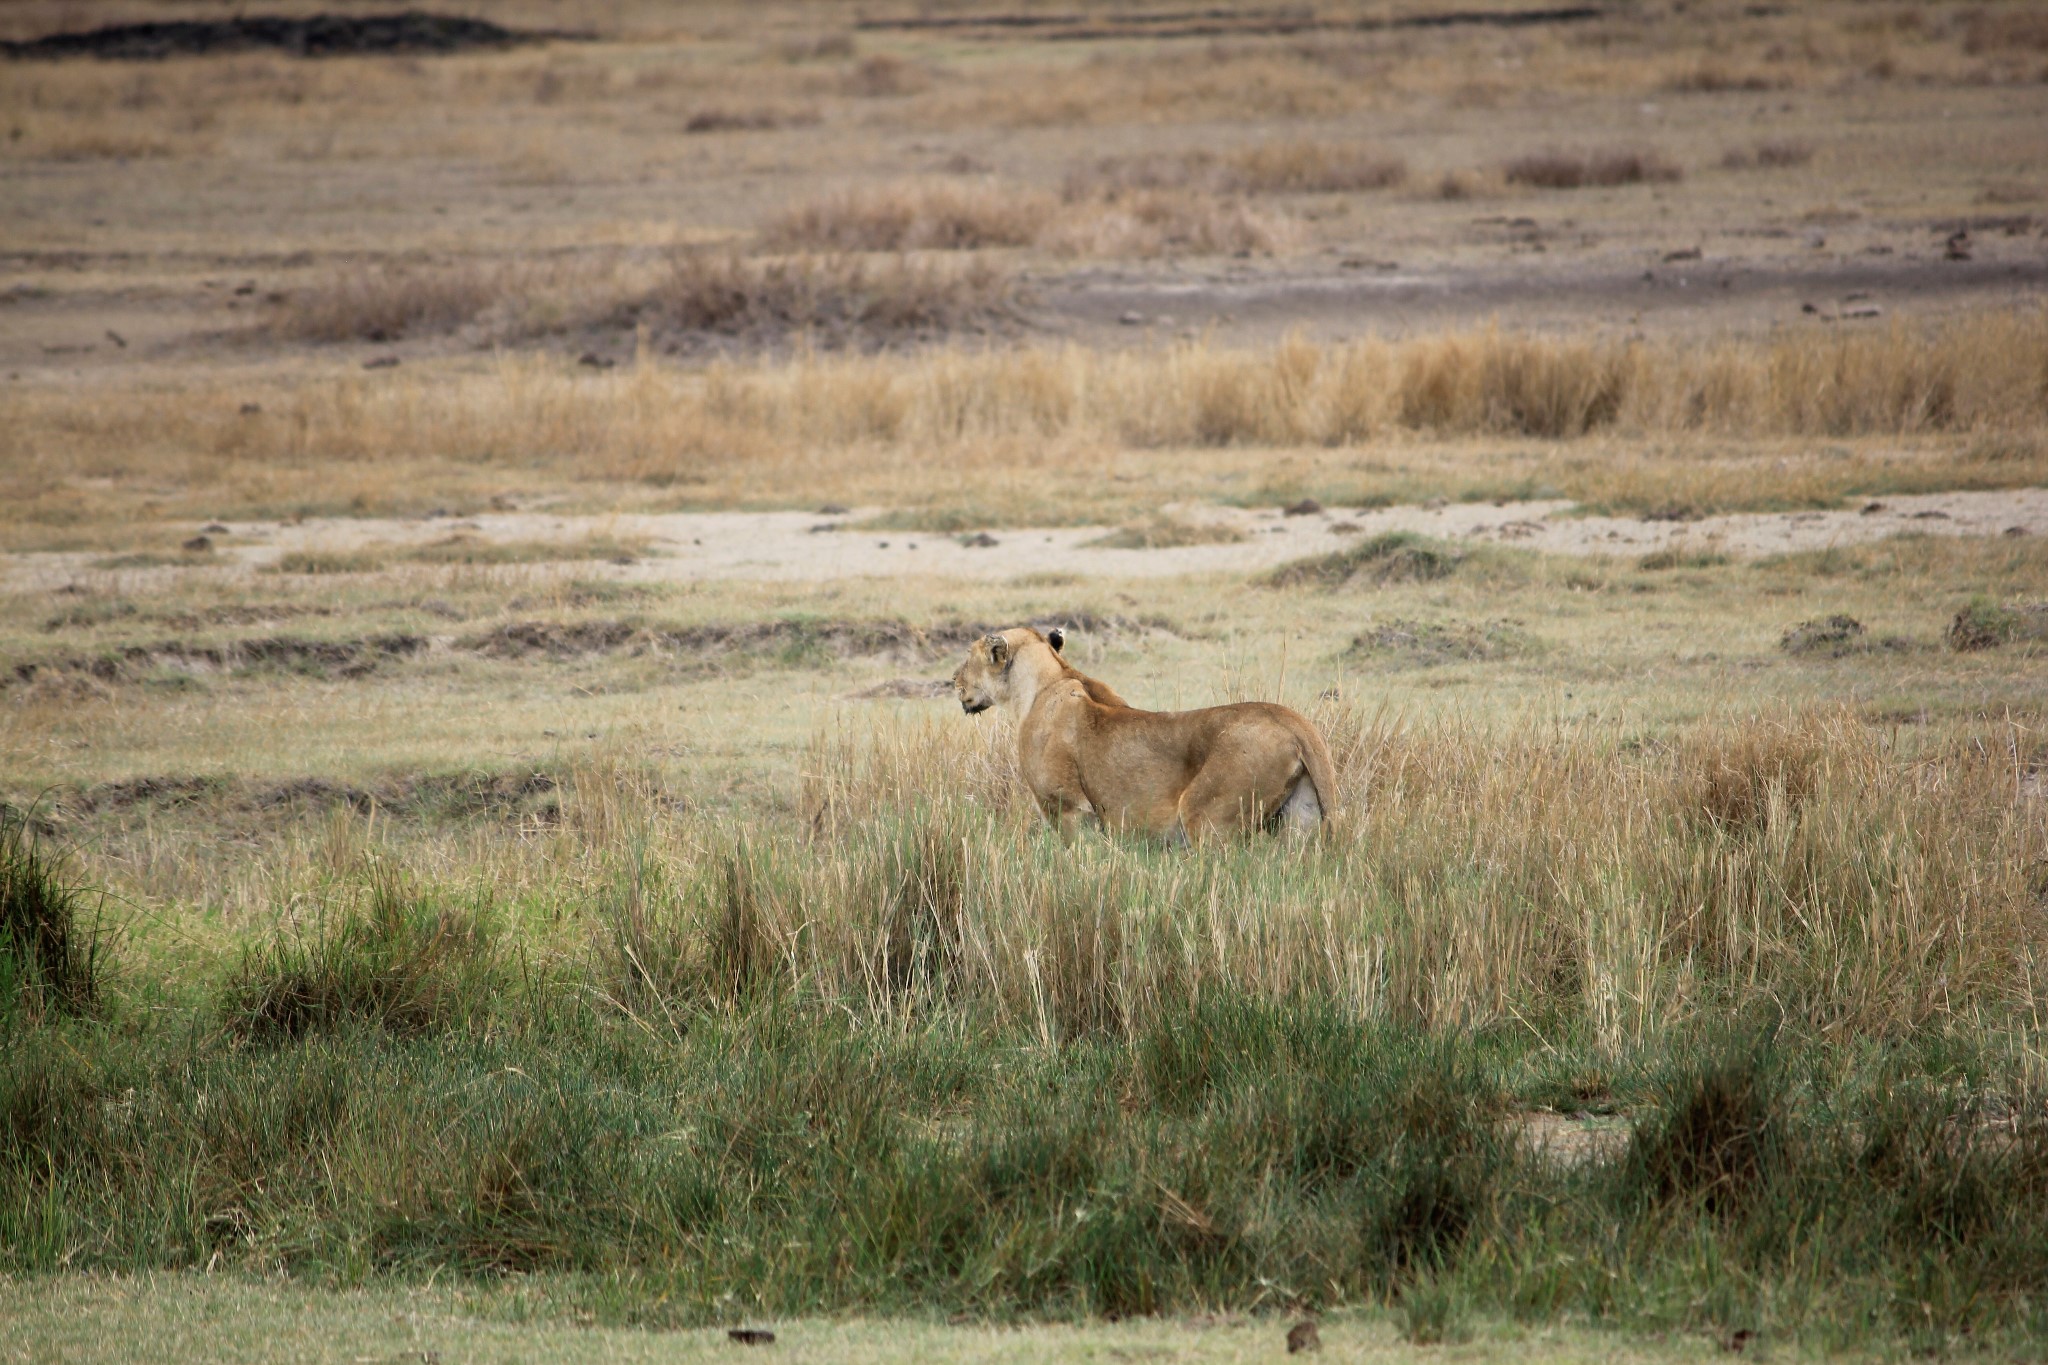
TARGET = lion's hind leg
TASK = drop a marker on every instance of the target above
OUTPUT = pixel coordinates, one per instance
(1302, 810)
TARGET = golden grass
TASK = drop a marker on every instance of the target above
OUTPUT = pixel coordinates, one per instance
(1039, 425)
(1306, 166)
(1276, 166)
(954, 217)
(386, 301)
(1563, 170)
(909, 217)
(1164, 532)
(837, 297)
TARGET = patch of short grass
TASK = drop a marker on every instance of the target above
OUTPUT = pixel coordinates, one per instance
(1568, 170)
(1391, 557)
(462, 548)
(1166, 533)
(322, 562)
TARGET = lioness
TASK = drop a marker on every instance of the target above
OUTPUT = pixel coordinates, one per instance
(1180, 775)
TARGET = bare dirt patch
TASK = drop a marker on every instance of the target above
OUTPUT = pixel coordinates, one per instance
(782, 546)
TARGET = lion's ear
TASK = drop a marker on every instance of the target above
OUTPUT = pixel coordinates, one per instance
(1055, 637)
(998, 649)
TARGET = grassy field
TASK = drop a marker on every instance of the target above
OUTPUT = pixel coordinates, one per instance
(444, 909)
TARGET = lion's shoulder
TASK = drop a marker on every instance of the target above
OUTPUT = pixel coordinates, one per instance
(1101, 693)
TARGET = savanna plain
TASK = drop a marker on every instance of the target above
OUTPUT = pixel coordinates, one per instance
(491, 867)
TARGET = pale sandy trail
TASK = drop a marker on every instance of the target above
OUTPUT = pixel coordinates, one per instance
(791, 546)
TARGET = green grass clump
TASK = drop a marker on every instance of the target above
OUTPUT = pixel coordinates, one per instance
(398, 961)
(1437, 642)
(49, 957)
(1392, 557)
(326, 562)
(1987, 624)
(465, 549)
(1165, 533)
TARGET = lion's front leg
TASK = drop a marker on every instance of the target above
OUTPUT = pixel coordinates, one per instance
(1065, 814)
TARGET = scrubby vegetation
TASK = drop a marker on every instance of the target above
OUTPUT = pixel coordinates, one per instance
(909, 1053)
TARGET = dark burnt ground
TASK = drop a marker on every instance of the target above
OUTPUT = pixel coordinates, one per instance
(1707, 293)
(1216, 22)
(408, 33)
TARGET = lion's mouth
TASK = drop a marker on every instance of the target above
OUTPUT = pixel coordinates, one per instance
(974, 708)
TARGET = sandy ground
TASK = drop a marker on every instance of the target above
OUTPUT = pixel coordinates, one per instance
(801, 547)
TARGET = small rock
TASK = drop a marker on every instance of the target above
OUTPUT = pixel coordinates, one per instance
(214, 528)
(382, 362)
(250, 409)
(1929, 515)
(1808, 308)
(1433, 504)
(592, 360)
(198, 545)
(1132, 319)
(751, 1336)
(980, 540)
(882, 544)
(1303, 1336)
(1861, 310)
(1307, 507)
(2017, 531)
(824, 526)
(832, 509)
(118, 340)
(1871, 509)
(1689, 253)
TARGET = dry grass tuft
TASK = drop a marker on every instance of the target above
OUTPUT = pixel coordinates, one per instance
(1169, 222)
(1714, 77)
(1771, 154)
(885, 75)
(814, 47)
(1164, 532)
(840, 299)
(1284, 166)
(913, 217)
(1558, 170)
(327, 562)
(1301, 166)
(755, 118)
(953, 217)
(1995, 32)
(386, 301)
(1492, 382)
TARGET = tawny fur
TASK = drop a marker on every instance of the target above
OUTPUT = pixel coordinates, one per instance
(1083, 750)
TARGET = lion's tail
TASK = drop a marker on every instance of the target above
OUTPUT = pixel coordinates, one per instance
(1315, 756)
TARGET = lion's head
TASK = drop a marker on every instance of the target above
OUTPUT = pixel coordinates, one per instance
(984, 679)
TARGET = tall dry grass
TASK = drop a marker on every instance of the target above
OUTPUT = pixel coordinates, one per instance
(837, 297)
(1475, 878)
(1037, 424)
(1145, 221)
(1983, 373)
